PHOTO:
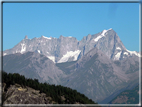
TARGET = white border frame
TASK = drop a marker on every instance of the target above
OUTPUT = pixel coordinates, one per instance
(93, 1)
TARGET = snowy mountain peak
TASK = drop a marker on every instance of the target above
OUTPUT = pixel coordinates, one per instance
(102, 35)
(110, 29)
(46, 37)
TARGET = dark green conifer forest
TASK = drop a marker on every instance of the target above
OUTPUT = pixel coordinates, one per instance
(54, 91)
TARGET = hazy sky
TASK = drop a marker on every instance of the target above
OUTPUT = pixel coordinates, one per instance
(70, 19)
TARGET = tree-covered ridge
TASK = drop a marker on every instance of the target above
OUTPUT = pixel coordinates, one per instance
(55, 92)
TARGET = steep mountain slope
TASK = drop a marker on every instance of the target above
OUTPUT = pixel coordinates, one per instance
(64, 49)
(127, 97)
(96, 74)
(33, 65)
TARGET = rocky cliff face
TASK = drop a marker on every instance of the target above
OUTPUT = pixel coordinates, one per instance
(16, 94)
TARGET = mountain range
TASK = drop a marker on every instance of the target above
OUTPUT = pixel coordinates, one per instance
(65, 49)
(98, 66)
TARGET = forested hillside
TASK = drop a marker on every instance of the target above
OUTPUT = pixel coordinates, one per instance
(59, 94)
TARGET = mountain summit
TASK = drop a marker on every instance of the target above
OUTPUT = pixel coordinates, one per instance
(26, 37)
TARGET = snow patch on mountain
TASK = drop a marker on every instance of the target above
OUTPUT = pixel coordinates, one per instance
(110, 29)
(76, 53)
(23, 49)
(117, 56)
(52, 58)
(38, 51)
(4, 54)
(68, 55)
(102, 35)
(126, 53)
(133, 52)
(46, 37)
(16, 51)
(118, 48)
